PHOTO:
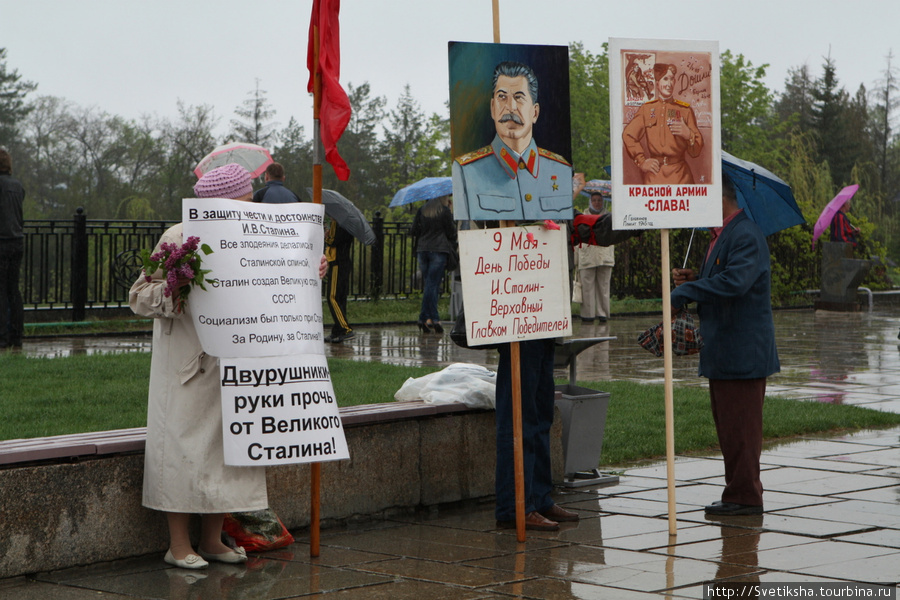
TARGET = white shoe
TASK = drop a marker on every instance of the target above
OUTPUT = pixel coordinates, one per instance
(191, 561)
(238, 555)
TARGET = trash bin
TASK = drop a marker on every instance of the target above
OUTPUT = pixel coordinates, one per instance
(583, 413)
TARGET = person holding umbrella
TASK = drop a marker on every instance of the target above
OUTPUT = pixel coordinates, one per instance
(733, 296)
(841, 229)
(435, 234)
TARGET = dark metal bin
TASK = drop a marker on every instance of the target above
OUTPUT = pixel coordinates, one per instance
(583, 413)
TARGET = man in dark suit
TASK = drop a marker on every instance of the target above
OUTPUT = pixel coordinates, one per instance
(733, 296)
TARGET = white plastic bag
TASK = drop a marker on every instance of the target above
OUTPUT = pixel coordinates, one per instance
(473, 385)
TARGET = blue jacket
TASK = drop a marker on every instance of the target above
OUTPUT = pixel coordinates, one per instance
(733, 296)
(490, 184)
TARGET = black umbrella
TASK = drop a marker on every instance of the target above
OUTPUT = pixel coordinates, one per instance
(347, 216)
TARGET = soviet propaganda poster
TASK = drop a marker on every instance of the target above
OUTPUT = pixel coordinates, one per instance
(510, 132)
(665, 132)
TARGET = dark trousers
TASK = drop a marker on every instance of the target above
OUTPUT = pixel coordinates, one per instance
(537, 417)
(737, 406)
(432, 265)
(12, 314)
(338, 289)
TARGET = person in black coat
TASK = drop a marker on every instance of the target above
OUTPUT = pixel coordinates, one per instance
(12, 252)
(435, 234)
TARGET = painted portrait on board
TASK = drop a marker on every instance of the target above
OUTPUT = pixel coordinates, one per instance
(510, 132)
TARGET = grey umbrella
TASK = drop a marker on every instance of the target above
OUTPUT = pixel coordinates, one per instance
(347, 216)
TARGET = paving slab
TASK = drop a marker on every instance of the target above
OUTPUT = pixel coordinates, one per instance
(832, 502)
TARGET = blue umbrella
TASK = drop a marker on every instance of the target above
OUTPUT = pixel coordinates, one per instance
(767, 199)
(424, 189)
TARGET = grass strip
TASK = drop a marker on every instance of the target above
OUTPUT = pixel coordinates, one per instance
(385, 310)
(55, 396)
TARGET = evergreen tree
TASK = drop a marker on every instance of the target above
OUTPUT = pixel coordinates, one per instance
(12, 101)
(295, 153)
(359, 147)
(411, 147)
(830, 114)
(254, 125)
(795, 103)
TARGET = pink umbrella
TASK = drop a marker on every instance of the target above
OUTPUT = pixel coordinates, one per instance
(250, 156)
(831, 209)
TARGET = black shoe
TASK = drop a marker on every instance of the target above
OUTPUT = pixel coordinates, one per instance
(585, 320)
(337, 339)
(424, 327)
(602, 319)
(437, 327)
(732, 509)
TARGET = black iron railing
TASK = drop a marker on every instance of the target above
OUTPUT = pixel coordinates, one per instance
(83, 264)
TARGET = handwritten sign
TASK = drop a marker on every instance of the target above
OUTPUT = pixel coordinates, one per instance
(664, 123)
(280, 410)
(515, 284)
(267, 299)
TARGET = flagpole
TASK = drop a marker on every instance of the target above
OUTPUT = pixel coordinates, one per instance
(667, 368)
(515, 363)
(315, 469)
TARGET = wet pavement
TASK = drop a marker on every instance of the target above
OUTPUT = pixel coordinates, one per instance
(832, 503)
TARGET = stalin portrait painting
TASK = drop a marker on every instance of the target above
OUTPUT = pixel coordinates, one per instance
(512, 178)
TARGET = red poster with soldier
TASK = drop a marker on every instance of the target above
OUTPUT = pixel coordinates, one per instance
(665, 110)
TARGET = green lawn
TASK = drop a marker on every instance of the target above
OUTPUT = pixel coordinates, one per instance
(54, 396)
(403, 310)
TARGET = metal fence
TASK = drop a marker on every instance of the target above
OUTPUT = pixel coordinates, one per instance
(85, 265)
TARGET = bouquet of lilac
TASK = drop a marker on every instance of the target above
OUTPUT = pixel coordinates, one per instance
(178, 264)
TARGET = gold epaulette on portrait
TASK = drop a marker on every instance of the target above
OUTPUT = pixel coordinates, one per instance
(553, 156)
(684, 104)
(473, 156)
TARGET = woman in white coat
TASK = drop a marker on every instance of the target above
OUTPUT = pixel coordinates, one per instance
(184, 466)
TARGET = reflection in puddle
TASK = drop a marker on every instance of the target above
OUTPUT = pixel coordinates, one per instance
(841, 358)
(59, 347)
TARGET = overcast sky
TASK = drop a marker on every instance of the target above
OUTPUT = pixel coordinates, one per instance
(136, 57)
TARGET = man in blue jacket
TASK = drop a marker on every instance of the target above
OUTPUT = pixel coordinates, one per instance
(733, 296)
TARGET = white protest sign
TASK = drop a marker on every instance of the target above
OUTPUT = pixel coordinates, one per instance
(280, 410)
(666, 137)
(515, 285)
(267, 299)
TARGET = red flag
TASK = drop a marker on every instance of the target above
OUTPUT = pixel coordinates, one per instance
(335, 108)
